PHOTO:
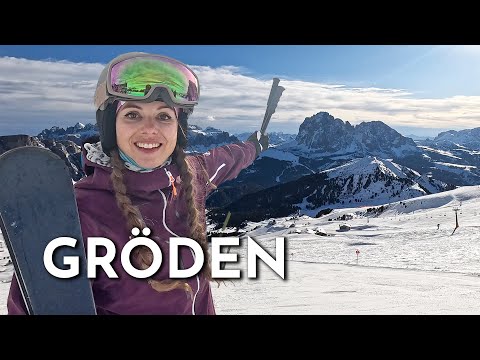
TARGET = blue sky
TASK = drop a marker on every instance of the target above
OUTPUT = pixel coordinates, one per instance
(415, 89)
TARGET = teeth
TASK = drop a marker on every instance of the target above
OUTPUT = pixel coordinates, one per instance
(148, 145)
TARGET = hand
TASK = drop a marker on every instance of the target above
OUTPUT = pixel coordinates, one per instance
(260, 141)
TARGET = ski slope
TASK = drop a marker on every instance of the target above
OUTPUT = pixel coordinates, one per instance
(404, 236)
(410, 261)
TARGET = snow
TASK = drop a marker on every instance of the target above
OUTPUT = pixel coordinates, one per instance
(471, 152)
(305, 151)
(454, 168)
(463, 167)
(327, 289)
(197, 131)
(460, 138)
(284, 156)
(400, 151)
(406, 263)
(359, 172)
(441, 152)
(280, 155)
(366, 165)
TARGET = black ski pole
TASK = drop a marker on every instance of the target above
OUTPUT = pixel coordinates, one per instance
(275, 94)
(272, 102)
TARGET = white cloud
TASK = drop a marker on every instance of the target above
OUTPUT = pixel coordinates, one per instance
(41, 94)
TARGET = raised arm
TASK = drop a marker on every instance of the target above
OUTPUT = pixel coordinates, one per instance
(226, 162)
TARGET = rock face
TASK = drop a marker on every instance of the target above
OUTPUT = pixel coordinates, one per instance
(323, 131)
(329, 136)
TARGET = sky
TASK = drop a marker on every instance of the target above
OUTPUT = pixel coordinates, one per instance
(416, 89)
(407, 264)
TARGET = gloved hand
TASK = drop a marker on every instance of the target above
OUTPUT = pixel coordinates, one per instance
(260, 141)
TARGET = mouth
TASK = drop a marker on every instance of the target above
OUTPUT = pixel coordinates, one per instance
(148, 147)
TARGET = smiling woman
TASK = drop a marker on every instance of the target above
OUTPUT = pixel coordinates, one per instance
(146, 132)
(139, 177)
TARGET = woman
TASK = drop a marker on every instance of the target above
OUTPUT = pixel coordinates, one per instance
(139, 176)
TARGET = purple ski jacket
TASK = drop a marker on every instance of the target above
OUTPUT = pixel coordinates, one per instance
(165, 215)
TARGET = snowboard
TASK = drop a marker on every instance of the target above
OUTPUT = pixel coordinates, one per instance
(38, 205)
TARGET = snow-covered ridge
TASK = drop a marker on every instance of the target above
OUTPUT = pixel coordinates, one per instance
(77, 133)
(469, 138)
(372, 181)
(438, 151)
(368, 165)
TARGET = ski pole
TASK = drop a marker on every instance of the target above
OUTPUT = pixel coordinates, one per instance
(275, 94)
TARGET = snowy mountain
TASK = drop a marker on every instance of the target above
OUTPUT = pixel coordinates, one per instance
(466, 139)
(324, 142)
(201, 140)
(367, 181)
(459, 166)
(370, 176)
(322, 135)
(452, 155)
(275, 138)
(77, 133)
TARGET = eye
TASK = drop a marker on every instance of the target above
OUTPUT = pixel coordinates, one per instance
(164, 116)
(132, 115)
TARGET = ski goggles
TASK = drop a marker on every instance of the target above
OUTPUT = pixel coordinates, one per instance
(142, 77)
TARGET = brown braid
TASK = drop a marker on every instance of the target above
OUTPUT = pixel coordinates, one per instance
(195, 220)
(134, 219)
(131, 212)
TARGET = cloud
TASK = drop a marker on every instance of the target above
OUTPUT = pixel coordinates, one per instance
(40, 94)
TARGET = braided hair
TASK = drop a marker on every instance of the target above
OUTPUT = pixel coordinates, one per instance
(190, 183)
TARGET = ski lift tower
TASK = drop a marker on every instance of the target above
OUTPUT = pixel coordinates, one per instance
(456, 209)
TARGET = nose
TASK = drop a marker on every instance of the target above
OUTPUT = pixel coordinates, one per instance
(150, 125)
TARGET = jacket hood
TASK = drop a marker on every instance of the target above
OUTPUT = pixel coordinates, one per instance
(98, 170)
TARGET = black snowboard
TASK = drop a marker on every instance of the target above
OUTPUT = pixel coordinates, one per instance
(37, 205)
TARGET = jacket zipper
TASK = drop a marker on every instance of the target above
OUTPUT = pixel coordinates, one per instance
(171, 232)
(172, 182)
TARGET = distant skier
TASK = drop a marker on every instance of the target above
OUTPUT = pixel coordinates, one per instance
(438, 226)
(139, 175)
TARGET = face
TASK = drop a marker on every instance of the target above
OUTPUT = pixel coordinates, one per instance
(147, 132)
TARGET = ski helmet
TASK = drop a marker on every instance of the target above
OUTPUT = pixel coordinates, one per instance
(172, 82)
